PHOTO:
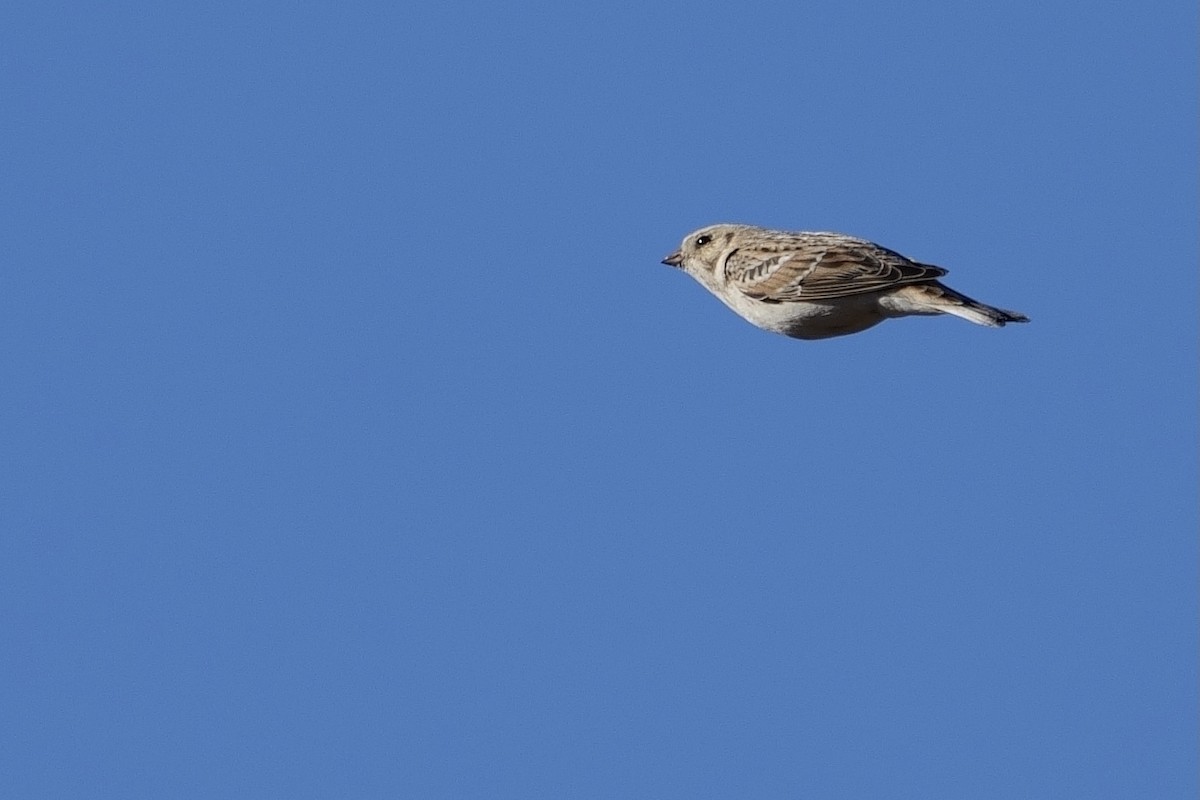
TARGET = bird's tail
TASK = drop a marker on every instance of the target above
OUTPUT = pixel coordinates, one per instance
(937, 298)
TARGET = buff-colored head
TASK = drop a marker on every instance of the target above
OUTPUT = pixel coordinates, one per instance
(703, 249)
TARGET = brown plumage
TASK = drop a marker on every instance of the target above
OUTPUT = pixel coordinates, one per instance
(816, 285)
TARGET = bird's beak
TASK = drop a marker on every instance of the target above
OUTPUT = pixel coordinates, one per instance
(674, 260)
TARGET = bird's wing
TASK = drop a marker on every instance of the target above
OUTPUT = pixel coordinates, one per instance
(820, 267)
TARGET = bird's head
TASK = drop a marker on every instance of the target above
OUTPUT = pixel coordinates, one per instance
(702, 250)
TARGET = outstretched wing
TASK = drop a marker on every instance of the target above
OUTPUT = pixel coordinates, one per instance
(820, 266)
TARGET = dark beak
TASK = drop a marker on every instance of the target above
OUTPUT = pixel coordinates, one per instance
(673, 260)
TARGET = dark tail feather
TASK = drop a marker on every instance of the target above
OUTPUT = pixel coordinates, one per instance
(948, 301)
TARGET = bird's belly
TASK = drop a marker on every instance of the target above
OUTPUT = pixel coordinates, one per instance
(812, 320)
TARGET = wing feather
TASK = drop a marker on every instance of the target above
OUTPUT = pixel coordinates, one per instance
(819, 266)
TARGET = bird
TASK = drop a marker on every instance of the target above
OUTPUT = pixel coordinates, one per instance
(817, 285)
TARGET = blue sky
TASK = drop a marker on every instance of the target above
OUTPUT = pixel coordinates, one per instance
(356, 444)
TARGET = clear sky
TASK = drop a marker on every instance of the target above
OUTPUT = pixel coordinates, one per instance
(354, 443)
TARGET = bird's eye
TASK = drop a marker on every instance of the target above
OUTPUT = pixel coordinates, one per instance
(703, 240)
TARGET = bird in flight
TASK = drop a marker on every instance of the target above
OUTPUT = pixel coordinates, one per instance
(817, 285)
